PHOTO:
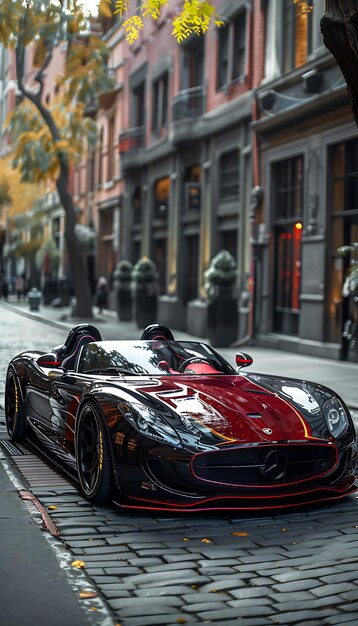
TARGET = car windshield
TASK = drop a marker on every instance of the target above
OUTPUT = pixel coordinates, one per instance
(151, 357)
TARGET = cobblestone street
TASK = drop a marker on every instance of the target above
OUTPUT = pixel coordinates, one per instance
(296, 568)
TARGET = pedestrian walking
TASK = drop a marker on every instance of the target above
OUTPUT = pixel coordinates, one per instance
(102, 293)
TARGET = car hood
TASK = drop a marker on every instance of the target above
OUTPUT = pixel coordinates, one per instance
(232, 408)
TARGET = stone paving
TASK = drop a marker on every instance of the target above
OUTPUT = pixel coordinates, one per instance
(296, 568)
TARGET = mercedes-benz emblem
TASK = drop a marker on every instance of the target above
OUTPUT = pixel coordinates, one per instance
(267, 431)
(275, 465)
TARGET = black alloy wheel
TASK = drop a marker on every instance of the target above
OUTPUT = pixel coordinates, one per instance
(93, 456)
(14, 409)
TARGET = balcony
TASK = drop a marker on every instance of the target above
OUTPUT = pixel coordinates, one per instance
(187, 109)
(131, 140)
(188, 104)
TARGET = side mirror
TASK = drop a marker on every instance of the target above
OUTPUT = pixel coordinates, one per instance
(243, 360)
(48, 360)
(164, 366)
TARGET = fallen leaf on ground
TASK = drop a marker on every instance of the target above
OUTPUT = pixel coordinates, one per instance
(240, 534)
(78, 564)
(52, 507)
(88, 594)
(181, 620)
(205, 540)
(186, 539)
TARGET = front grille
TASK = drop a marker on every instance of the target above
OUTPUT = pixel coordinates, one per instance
(265, 465)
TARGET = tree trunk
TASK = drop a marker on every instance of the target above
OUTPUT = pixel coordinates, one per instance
(339, 27)
(79, 271)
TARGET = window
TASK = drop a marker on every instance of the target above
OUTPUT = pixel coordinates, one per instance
(238, 61)
(297, 33)
(193, 64)
(138, 105)
(288, 207)
(229, 169)
(91, 171)
(110, 149)
(137, 205)
(100, 159)
(289, 175)
(160, 103)
(223, 56)
(232, 50)
(161, 196)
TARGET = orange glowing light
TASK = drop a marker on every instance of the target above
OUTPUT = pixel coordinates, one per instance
(298, 225)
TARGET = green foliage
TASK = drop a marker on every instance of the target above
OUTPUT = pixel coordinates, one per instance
(36, 153)
(85, 75)
(221, 272)
(144, 272)
(45, 136)
(351, 280)
(123, 274)
(48, 253)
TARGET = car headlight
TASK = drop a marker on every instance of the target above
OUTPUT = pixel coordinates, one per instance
(336, 416)
(148, 422)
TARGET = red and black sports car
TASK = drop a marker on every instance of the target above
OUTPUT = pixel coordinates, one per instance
(166, 424)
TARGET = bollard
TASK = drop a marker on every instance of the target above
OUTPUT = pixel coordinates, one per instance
(34, 297)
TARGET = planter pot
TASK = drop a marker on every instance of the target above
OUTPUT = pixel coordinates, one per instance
(223, 321)
(146, 305)
(50, 291)
(124, 304)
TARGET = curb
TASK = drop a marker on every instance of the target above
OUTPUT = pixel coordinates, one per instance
(35, 317)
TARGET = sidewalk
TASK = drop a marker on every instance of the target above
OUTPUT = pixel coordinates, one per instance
(340, 376)
(33, 588)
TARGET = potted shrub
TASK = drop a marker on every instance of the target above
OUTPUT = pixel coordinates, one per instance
(220, 282)
(122, 276)
(145, 285)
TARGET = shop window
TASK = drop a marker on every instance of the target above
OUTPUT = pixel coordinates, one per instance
(160, 260)
(229, 168)
(137, 205)
(288, 208)
(160, 103)
(191, 263)
(297, 33)
(228, 241)
(192, 188)
(343, 207)
(232, 50)
(289, 188)
(161, 196)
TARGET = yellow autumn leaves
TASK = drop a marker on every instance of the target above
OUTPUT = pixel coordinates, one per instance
(194, 18)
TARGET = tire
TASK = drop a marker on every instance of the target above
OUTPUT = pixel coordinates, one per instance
(14, 408)
(93, 456)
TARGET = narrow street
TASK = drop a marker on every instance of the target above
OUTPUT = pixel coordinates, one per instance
(298, 567)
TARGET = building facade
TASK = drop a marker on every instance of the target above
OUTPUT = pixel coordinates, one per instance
(308, 180)
(186, 157)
